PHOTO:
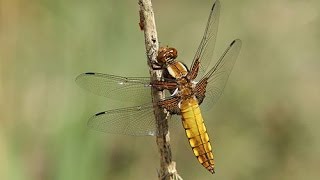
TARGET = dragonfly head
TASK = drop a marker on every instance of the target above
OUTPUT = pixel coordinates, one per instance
(166, 55)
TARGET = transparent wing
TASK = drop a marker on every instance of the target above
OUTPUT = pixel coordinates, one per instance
(134, 121)
(206, 47)
(133, 89)
(219, 74)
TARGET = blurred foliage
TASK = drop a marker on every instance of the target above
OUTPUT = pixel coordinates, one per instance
(266, 125)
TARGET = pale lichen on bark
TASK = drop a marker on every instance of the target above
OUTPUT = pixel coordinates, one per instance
(147, 24)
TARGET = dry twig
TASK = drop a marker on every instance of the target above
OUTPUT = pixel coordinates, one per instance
(147, 24)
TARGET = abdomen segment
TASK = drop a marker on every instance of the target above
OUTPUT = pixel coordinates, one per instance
(196, 132)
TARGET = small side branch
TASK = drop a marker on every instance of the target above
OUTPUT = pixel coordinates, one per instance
(147, 24)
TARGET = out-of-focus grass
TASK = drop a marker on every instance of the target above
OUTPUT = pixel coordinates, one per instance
(265, 126)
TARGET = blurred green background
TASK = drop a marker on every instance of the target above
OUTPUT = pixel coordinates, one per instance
(265, 126)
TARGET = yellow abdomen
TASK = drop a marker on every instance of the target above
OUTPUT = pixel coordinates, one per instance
(196, 132)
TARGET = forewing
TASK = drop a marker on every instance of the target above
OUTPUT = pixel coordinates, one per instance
(219, 74)
(133, 89)
(206, 47)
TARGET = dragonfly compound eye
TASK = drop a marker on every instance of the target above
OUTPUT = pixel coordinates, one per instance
(166, 55)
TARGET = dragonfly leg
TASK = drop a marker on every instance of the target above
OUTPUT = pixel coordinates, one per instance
(156, 67)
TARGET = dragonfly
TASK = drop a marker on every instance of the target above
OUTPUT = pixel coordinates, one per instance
(189, 91)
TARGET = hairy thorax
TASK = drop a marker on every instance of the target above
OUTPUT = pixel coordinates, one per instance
(185, 88)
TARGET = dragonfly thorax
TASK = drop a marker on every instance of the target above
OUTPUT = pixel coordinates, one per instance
(185, 88)
(177, 70)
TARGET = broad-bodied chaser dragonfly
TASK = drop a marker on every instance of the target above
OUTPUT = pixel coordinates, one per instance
(188, 89)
